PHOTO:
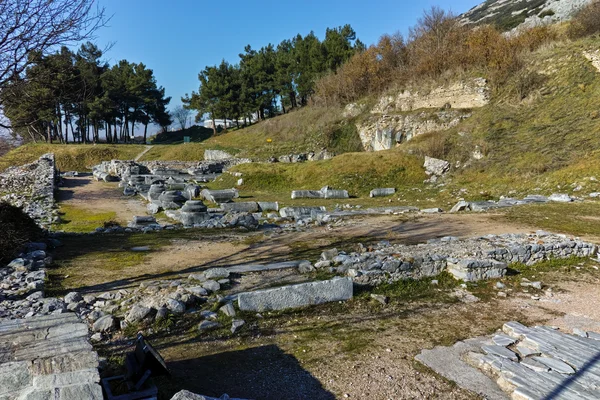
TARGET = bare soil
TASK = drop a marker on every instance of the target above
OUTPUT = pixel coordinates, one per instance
(86, 193)
(359, 349)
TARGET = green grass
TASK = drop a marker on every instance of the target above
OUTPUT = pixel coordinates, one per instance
(409, 290)
(101, 258)
(71, 157)
(356, 172)
(577, 219)
(303, 130)
(79, 220)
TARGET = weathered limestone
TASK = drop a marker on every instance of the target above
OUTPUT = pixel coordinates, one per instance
(192, 213)
(324, 193)
(304, 294)
(143, 221)
(216, 155)
(386, 131)
(464, 94)
(265, 206)
(219, 196)
(171, 200)
(47, 357)
(382, 192)
(594, 57)
(476, 270)
(243, 206)
(31, 187)
(435, 167)
(301, 212)
(555, 365)
(186, 395)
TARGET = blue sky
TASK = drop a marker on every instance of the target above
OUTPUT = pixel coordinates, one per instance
(177, 38)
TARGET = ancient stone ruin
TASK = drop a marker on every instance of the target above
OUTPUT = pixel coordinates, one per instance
(32, 187)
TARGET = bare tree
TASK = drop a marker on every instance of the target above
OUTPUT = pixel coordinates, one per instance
(41, 26)
(182, 115)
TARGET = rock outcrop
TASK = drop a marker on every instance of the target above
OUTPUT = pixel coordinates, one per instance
(401, 116)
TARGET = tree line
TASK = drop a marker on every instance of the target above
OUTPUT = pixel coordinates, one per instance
(71, 96)
(273, 79)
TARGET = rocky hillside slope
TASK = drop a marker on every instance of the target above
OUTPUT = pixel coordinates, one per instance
(510, 14)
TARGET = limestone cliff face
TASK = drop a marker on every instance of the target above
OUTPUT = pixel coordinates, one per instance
(513, 15)
(594, 57)
(399, 117)
(464, 94)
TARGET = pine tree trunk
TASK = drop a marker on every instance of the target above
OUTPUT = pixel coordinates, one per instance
(214, 124)
(145, 132)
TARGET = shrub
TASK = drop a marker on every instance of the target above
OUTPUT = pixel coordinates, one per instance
(17, 229)
(438, 45)
(586, 22)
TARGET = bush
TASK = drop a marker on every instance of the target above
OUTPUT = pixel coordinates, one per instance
(438, 46)
(17, 229)
(586, 22)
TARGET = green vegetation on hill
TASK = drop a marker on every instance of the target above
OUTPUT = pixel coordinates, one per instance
(356, 172)
(195, 133)
(540, 131)
(72, 157)
(303, 130)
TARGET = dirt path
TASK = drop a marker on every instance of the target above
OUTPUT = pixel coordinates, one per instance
(84, 192)
(139, 156)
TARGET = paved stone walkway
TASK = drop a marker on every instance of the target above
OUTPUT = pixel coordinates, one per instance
(47, 357)
(544, 363)
(537, 363)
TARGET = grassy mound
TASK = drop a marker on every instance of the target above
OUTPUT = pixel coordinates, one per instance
(195, 133)
(358, 173)
(72, 157)
(17, 229)
(303, 130)
(540, 131)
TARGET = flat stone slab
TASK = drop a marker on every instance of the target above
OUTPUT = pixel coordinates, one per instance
(554, 365)
(245, 268)
(300, 295)
(500, 351)
(48, 357)
(447, 361)
(503, 340)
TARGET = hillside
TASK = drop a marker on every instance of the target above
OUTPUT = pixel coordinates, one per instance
(509, 14)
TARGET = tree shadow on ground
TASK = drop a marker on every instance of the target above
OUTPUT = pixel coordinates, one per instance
(272, 250)
(264, 372)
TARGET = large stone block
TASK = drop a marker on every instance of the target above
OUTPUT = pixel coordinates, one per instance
(244, 206)
(268, 206)
(476, 270)
(381, 192)
(293, 296)
(301, 212)
(219, 196)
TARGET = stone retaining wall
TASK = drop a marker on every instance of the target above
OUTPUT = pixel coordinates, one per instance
(470, 259)
(31, 186)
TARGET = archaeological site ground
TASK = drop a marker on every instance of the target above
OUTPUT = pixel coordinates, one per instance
(423, 222)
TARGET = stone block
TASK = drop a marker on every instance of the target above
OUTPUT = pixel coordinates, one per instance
(219, 196)
(265, 206)
(381, 192)
(244, 206)
(475, 270)
(300, 295)
(301, 212)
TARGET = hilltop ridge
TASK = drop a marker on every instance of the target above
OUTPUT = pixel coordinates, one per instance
(511, 14)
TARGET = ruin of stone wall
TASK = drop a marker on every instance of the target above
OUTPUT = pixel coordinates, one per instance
(31, 187)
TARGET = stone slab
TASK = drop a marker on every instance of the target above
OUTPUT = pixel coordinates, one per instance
(447, 361)
(48, 357)
(300, 295)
